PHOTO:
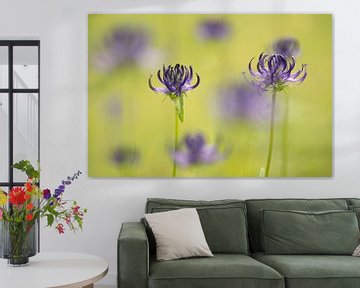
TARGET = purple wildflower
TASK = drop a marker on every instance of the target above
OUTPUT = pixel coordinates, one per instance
(276, 71)
(125, 155)
(176, 79)
(46, 194)
(242, 101)
(61, 188)
(123, 46)
(213, 29)
(287, 46)
(196, 151)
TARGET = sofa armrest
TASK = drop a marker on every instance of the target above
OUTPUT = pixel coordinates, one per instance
(133, 256)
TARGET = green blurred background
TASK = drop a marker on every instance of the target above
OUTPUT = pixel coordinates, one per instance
(127, 118)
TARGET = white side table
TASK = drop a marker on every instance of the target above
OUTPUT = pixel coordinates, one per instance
(50, 270)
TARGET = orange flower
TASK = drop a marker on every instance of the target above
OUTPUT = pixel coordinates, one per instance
(27, 196)
(29, 206)
(29, 217)
(29, 186)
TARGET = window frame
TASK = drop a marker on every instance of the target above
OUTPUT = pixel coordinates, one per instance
(10, 91)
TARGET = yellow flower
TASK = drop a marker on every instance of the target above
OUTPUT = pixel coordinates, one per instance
(3, 198)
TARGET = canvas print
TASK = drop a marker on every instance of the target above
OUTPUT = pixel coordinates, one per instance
(187, 95)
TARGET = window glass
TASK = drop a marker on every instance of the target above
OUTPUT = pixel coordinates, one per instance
(4, 67)
(26, 130)
(25, 63)
(4, 139)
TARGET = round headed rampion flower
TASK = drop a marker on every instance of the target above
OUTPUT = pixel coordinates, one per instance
(213, 29)
(196, 151)
(123, 46)
(241, 101)
(276, 72)
(125, 155)
(287, 46)
(17, 196)
(177, 81)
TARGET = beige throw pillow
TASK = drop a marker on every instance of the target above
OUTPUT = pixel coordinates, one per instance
(178, 234)
(357, 251)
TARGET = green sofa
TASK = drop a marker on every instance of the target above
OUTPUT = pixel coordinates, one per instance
(234, 230)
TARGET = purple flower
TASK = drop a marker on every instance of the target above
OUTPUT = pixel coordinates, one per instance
(276, 72)
(196, 151)
(123, 46)
(125, 155)
(241, 101)
(213, 29)
(61, 188)
(176, 79)
(287, 46)
(46, 194)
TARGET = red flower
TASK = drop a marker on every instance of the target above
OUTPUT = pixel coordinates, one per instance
(75, 209)
(29, 206)
(27, 196)
(29, 217)
(29, 186)
(60, 228)
(17, 196)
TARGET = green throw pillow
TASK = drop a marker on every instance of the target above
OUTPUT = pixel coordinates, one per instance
(299, 232)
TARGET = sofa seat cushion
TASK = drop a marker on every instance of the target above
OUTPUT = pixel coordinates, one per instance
(222, 270)
(314, 271)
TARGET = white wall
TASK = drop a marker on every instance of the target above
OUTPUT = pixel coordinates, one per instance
(61, 25)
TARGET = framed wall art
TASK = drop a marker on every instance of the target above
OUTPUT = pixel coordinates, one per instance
(206, 95)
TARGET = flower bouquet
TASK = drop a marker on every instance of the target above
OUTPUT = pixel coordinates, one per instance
(21, 208)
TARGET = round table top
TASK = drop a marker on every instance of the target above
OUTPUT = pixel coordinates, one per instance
(68, 270)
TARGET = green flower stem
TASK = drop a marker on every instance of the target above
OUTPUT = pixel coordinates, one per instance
(176, 140)
(18, 238)
(271, 140)
(284, 151)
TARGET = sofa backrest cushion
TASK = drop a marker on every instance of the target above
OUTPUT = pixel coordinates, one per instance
(298, 232)
(223, 221)
(353, 202)
(256, 205)
(354, 205)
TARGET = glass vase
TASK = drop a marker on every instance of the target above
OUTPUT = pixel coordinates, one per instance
(18, 242)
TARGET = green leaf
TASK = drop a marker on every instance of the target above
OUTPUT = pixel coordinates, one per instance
(179, 102)
(50, 219)
(28, 168)
(53, 211)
